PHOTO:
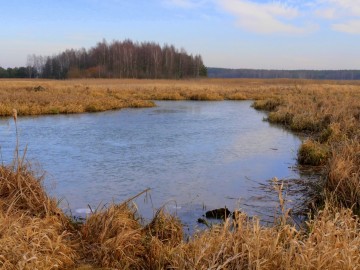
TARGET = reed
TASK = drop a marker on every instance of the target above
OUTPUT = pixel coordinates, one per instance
(114, 238)
(34, 233)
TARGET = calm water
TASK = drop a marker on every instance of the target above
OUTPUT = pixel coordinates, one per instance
(193, 156)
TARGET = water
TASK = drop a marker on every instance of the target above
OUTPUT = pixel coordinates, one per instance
(195, 156)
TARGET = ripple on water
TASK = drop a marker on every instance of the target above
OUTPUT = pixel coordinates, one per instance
(201, 155)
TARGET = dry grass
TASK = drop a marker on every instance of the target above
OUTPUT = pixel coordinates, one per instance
(76, 96)
(343, 174)
(313, 153)
(35, 234)
(114, 238)
(331, 243)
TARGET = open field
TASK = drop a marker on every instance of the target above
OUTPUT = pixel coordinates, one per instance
(34, 233)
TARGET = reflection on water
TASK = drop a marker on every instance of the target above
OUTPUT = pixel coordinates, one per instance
(193, 156)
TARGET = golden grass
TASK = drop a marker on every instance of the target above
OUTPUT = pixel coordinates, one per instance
(312, 153)
(35, 234)
(76, 96)
(331, 243)
(113, 238)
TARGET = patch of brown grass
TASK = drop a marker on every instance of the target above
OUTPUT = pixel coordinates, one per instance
(34, 233)
(90, 95)
(343, 174)
(113, 238)
(313, 153)
(331, 243)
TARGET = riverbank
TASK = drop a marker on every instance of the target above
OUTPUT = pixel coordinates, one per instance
(37, 96)
(36, 234)
(328, 113)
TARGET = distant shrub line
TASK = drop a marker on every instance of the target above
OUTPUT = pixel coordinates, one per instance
(289, 74)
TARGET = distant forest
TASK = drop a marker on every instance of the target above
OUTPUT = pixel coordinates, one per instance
(128, 59)
(118, 59)
(290, 74)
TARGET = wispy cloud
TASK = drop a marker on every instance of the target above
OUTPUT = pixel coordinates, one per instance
(270, 17)
(351, 27)
(326, 13)
(351, 7)
(283, 16)
(185, 3)
(344, 15)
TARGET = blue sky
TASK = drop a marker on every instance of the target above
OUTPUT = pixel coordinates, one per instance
(282, 34)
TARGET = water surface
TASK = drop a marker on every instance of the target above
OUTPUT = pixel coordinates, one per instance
(193, 155)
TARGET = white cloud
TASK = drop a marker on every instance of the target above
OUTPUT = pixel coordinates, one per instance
(344, 15)
(271, 17)
(328, 13)
(185, 3)
(351, 27)
(351, 7)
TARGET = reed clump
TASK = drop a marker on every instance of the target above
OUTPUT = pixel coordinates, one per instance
(330, 241)
(34, 233)
(313, 153)
(115, 238)
(343, 174)
(268, 104)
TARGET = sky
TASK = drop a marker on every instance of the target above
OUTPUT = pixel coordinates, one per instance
(259, 34)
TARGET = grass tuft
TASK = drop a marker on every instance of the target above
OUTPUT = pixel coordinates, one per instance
(312, 153)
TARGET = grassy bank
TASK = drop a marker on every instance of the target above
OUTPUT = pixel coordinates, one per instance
(34, 233)
(32, 97)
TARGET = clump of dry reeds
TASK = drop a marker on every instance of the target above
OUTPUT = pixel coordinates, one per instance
(113, 238)
(343, 174)
(34, 243)
(163, 235)
(165, 227)
(330, 241)
(20, 191)
(313, 153)
(34, 233)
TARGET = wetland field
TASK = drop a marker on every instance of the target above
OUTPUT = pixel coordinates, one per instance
(309, 125)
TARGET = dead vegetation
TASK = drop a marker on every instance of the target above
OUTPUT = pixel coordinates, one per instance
(35, 234)
(114, 238)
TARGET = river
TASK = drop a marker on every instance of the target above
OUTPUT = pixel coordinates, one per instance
(194, 156)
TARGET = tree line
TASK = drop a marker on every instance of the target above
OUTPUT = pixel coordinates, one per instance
(118, 59)
(18, 72)
(290, 74)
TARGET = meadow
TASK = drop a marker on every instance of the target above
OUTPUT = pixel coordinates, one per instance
(36, 234)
